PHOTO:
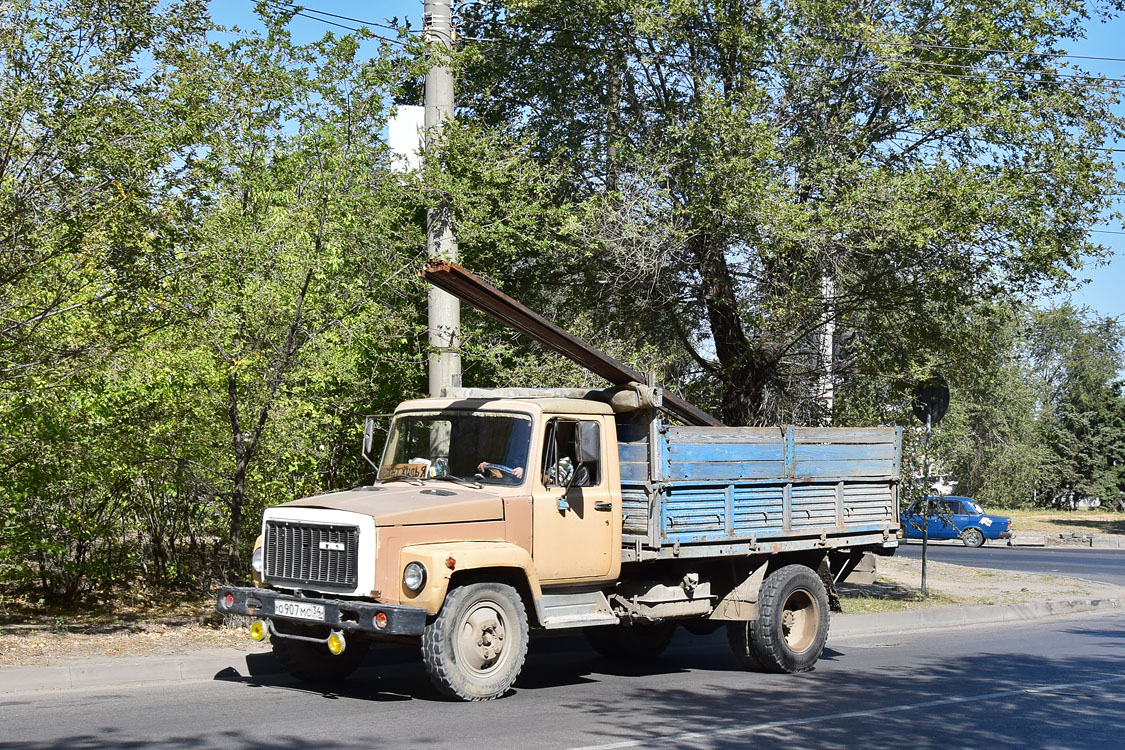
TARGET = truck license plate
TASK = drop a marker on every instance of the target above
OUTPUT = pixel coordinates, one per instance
(302, 610)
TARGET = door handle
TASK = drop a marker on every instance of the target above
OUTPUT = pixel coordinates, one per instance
(603, 506)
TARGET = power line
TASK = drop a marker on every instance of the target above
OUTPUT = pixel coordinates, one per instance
(1057, 74)
(1018, 71)
(983, 76)
(335, 15)
(303, 12)
(1057, 77)
(915, 45)
(1105, 231)
(324, 21)
(919, 134)
(986, 50)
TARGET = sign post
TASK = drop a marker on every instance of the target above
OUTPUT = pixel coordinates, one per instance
(931, 401)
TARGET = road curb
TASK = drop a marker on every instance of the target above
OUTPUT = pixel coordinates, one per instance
(947, 617)
(234, 664)
(202, 665)
(210, 664)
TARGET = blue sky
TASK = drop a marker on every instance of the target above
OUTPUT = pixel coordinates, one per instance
(1105, 293)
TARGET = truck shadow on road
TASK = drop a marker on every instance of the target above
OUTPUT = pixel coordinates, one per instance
(397, 674)
(552, 662)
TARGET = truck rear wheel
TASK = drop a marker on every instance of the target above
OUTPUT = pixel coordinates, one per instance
(792, 625)
(475, 647)
(313, 662)
(632, 642)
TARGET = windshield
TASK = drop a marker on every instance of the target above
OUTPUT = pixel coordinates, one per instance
(478, 446)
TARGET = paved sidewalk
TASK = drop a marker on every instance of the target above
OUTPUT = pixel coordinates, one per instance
(1039, 539)
(934, 618)
(231, 663)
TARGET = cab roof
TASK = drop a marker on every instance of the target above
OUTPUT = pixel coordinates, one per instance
(549, 405)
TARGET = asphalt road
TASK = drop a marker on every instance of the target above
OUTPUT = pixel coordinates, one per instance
(1056, 683)
(1104, 565)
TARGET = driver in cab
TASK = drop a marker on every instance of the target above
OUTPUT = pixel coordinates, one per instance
(510, 474)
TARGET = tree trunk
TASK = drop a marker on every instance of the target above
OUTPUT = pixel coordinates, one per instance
(237, 499)
(238, 490)
(744, 368)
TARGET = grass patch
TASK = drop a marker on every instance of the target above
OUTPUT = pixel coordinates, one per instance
(107, 615)
(1067, 522)
(886, 596)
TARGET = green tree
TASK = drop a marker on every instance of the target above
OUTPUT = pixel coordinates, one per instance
(236, 358)
(884, 167)
(992, 441)
(309, 241)
(1077, 360)
(93, 203)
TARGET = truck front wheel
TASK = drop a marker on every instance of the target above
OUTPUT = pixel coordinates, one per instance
(475, 647)
(792, 625)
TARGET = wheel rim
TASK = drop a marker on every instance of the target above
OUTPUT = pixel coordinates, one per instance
(800, 620)
(481, 638)
(973, 537)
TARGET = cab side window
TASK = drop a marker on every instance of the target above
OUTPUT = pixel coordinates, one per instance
(571, 453)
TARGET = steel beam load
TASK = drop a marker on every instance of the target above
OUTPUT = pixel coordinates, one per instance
(491, 301)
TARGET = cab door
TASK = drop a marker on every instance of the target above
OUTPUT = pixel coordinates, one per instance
(574, 504)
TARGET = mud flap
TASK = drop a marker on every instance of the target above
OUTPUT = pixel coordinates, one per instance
(825, 573)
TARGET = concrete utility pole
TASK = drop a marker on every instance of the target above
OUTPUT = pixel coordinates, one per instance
(444, 309)
(827, 341)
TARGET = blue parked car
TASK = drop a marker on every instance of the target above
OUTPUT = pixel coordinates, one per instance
(953, 518)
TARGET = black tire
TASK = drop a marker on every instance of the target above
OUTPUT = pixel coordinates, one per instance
(475, 647)
(972, 537)
(313, 662)
(792, 625)
(631, 642)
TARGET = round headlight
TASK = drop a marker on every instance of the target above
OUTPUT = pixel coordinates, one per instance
(414, 576)
(256, 560)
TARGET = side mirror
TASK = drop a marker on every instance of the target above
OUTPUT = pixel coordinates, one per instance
(368, 440)
(368, 435)
(587, 443)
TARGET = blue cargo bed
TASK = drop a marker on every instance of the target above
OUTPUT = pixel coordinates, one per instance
(746, 489)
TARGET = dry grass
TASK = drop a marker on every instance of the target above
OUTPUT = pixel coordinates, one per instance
(1066, 522)
(38, 633)
(888, 596)
(32, 647)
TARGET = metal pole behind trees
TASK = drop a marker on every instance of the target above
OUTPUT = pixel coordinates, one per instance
(925, 498)
(931, 400)
(444, 309)
(827, 351)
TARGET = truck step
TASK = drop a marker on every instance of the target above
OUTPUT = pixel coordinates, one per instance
(575, 610)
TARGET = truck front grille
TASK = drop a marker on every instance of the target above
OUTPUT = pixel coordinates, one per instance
(310, 553)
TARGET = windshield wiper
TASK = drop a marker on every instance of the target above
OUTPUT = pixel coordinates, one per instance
(460, 481)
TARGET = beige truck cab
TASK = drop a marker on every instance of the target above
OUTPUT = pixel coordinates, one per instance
(501, 501)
